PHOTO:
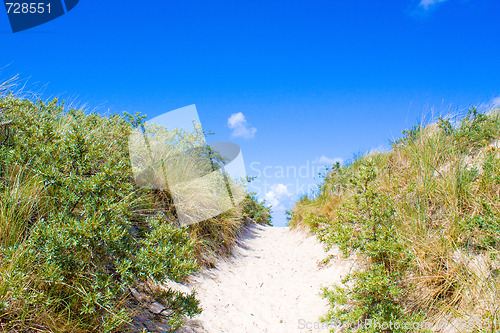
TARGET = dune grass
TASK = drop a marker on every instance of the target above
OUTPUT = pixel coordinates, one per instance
(423, 222)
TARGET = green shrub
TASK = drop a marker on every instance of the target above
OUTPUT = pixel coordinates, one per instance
(256, 210)
(366, 224)
(475, 130)
(80, 229)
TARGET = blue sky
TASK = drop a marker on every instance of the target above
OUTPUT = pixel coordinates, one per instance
(296, 84)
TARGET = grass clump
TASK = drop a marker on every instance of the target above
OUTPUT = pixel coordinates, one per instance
(255, 210)
(422, 222)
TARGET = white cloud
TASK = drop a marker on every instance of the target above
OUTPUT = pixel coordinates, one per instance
(427, 3)
(495, 102)
(238, 123)
(328, 161)
(236, 119)
(277, 196)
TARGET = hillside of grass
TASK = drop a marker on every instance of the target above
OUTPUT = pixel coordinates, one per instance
(422, 224)
(77, 234)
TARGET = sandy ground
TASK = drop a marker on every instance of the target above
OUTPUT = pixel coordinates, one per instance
(271, 284)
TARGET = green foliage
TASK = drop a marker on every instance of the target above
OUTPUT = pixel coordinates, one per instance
(336, 180)
(366, 224)
(256, 210)
(409, 135)
(481, 231)
(78, 224)
(475, 130)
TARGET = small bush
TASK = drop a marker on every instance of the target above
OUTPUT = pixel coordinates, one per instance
(256, 210)
(366, 224)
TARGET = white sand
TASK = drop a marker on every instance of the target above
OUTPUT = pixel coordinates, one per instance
(271, 284)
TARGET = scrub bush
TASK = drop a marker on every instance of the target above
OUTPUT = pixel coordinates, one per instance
(73, 234)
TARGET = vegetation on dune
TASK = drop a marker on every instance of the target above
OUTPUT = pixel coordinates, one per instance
(76, 232)
(422, 222)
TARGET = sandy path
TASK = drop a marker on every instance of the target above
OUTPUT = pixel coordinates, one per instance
(270, 285)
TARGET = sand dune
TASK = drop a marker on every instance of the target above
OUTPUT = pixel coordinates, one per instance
(270, 284)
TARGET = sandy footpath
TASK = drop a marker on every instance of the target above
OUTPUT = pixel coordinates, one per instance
(271, 284)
